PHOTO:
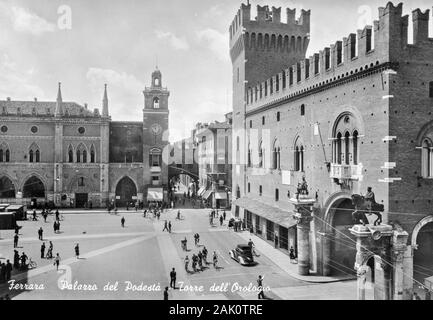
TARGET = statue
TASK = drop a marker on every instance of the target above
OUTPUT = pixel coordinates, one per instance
(302, 188)
(364, 207)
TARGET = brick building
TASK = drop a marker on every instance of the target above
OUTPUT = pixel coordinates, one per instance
(62, 152)
(357, 114)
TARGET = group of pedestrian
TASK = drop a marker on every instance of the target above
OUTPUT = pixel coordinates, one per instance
(56, 226)
(49, 254)
(20, 261)
(5, 271)
(199, 261)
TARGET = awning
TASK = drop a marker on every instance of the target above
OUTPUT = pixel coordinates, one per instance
(207, 194)
(200, 191)
(280, 217)
(155, 194)
(220, 196)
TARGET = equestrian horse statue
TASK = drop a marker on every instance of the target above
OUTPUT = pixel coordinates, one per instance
(363, 208)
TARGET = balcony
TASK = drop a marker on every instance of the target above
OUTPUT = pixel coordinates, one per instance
(346, 171)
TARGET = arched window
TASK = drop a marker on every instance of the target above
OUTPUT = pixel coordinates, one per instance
(84, 156)
(338, 158)
(355, 147)
(299, 155)
(70, 154)
(92, 154)
(1, 154)
(249, 156)
(303, 110)
(347, 148)
(7, 155)
(276, 156)
(261, 155)
(34, 153)
(78, 156)
(156, 103)
(427, 165)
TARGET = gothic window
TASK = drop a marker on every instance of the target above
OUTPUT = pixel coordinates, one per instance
(346, 140)
(249, 187)
(303, 110)
(431, 89)
(276, 156)
(92, 154)
(290, 76)
(299, 155)
(347, 152)
(70, 155)
(249, 156)
(34, 153)
(84, 156)
(277, 83)
(284, 79)
(81, 154)
(277, 194)
(4, 153)
(271, 86)
(156, 103)
(298, 72)
(261, 155)
(78, 156)
(427, 157)
(260, 190)
(263, 120)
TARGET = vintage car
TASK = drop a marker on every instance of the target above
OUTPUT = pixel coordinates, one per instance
(243, 255)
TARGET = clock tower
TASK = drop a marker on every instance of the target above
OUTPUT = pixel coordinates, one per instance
(155, 133)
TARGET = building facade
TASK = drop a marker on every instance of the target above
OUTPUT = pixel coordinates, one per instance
(214, 144)
(63, 153)
(357, 114)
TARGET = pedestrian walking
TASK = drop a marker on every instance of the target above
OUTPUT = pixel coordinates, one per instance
(77, 251)
(173, 279)
(169, 227)
(122, 221)
(45, 214)
(34, 215)
(215, 260)
(8, 270)
(186, 263)
(40, 233)
(57, 261)
(16, 259)
(224, 215)
(57, 215)
(260, 287)
(292, 255)
(43, 250)
(165, 226)
(221, 220)
(55, 226)
(50, 251)
(23, 259)
(16, 237)
(166, 293)
(204, 252)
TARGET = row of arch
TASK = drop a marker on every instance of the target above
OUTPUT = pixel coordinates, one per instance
(81, 154)
(298, 153)
(266, 41)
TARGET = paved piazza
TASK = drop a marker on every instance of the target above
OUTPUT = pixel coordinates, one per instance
(141, 254)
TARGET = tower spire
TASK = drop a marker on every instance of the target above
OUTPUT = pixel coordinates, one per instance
(59, 101)
(105, 102)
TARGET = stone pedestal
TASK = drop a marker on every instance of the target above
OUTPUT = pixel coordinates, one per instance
(373, 242)
(303, 214)
(399, 248)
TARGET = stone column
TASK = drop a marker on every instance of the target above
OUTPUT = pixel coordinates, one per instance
(303, 215)
(325, 240)
(399, 247)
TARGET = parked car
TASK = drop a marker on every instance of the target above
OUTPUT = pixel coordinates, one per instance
(243, 255)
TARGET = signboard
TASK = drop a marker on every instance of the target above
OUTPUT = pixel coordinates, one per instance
(134, 197)
(117, 197)
(287, 177)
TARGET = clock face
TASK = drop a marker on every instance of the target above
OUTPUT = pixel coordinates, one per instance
(156, 129)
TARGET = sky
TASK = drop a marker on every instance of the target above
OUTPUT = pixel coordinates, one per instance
(84, 44)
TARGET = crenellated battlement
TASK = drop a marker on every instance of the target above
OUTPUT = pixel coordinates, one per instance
(360, 53)
(269, 19)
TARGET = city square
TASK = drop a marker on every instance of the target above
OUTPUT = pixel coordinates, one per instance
(224, 151)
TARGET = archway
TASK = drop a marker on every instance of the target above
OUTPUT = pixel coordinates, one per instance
(343, 243)
(7, 188)
(125, 191)
(423, 253)
(34, 188)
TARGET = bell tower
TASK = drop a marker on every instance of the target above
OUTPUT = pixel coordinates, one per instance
(155, 132)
